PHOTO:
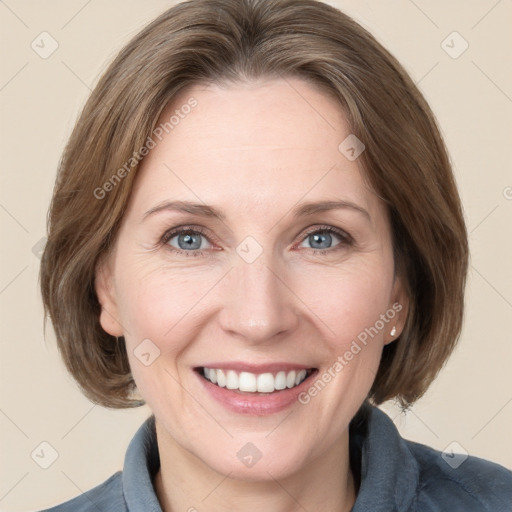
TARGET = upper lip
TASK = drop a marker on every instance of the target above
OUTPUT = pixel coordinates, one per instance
(256, 368)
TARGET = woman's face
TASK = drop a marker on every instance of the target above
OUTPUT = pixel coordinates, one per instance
(256, 285)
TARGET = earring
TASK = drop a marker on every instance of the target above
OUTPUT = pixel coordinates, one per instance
(393, 331)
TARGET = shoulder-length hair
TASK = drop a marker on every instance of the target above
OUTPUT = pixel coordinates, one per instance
(405, 162)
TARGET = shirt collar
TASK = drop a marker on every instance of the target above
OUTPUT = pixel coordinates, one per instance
(141, 464)
(389, 472)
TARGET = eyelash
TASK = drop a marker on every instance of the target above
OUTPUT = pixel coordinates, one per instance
(345, 239)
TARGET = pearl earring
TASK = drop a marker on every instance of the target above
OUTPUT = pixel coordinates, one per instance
(393, 331)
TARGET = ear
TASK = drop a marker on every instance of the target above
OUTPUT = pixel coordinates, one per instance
(400, 305)
(105, 290)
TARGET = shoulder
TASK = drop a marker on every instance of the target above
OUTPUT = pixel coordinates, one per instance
(451, 481)
(105, 496)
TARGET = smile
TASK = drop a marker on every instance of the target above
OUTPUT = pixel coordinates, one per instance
(249, 382)
(254, 389)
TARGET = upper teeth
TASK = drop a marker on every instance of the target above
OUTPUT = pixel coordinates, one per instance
(251, 382)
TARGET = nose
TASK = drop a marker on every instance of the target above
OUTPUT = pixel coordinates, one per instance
(258, 304)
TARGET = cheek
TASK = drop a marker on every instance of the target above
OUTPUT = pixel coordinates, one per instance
(349, 301)
(354, 313)
(156, 308)
(153, 299)
(162, 311)
(158, 303)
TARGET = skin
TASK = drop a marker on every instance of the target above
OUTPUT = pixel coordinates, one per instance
(254, 150)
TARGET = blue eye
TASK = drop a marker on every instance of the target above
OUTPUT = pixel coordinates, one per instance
(189, 241)
(321, 239)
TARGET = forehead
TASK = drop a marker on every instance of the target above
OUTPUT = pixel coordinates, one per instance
(252, 145)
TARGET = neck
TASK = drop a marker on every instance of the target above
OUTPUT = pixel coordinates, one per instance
(184, 482)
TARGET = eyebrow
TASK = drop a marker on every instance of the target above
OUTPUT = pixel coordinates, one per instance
(203, 210)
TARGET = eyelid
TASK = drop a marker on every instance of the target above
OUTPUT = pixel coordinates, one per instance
(177, 230)
(346, 238)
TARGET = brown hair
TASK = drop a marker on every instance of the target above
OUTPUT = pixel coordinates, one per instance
(405, 162)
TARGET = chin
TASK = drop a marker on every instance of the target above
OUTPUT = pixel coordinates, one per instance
(254, 458)
(274, 467)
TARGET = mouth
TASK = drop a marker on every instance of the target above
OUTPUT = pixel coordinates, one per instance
(255, 383)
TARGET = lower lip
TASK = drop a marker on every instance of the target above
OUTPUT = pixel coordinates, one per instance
(255, 403)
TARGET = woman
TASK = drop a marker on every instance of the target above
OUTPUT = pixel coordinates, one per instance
(256, 231)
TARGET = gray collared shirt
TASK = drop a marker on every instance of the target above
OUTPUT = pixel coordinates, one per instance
(393, 475)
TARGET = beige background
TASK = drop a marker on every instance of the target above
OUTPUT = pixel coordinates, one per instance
(470, 403)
